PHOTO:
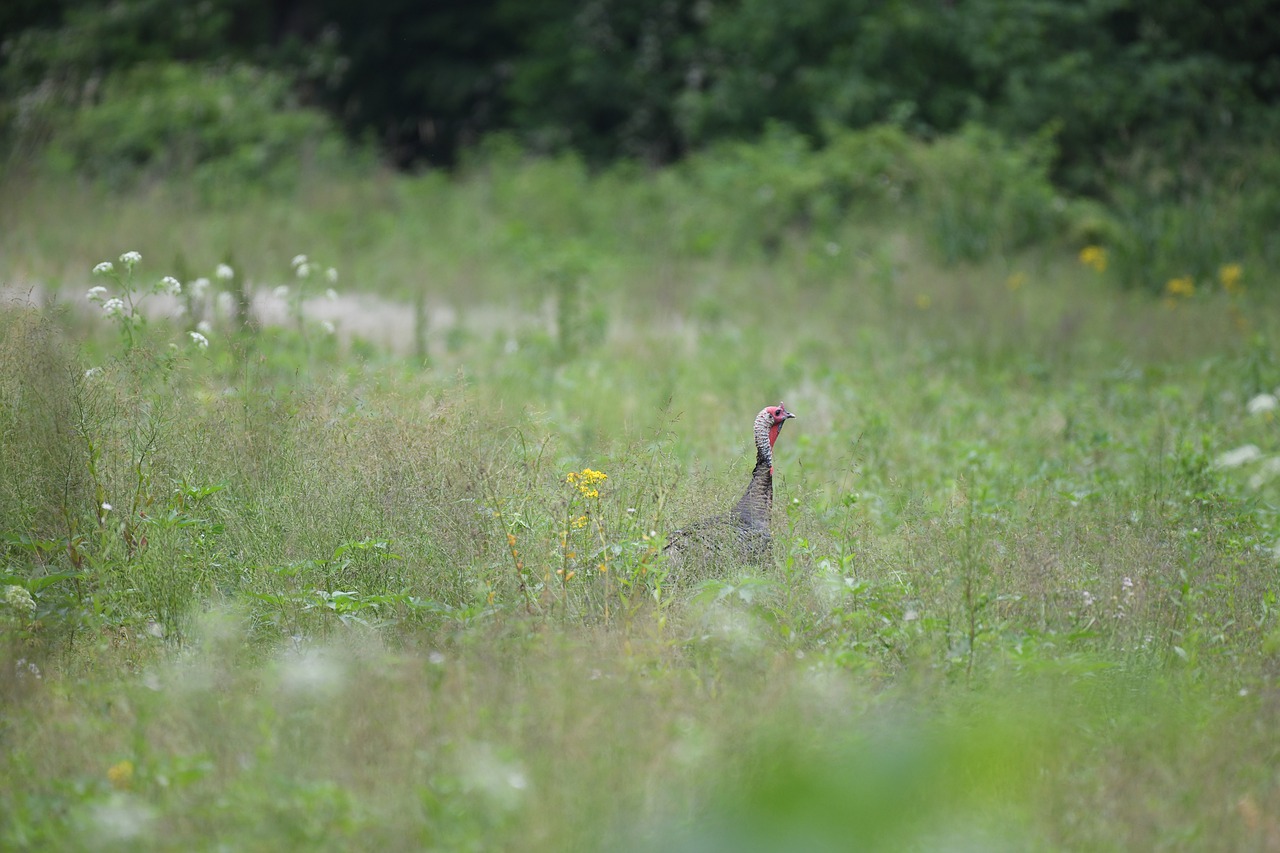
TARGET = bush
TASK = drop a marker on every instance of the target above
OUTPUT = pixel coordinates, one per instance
(981, 195)
(216, 125)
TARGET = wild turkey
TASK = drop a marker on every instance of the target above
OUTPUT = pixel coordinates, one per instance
(742, 535)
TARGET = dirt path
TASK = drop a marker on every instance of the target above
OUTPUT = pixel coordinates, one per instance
(385, 322)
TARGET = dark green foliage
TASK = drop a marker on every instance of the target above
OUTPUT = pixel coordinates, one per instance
(239, 125)
(653, 80)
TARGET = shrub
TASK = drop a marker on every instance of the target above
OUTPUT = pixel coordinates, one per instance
(169, 120)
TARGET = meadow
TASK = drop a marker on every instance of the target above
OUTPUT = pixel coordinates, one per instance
(287, 580)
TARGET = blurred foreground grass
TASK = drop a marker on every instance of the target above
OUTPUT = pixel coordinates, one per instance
(292, 592)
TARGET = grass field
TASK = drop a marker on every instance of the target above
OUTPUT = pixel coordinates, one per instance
(316, 587)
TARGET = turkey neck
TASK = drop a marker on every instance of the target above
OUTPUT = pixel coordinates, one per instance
(753, 509)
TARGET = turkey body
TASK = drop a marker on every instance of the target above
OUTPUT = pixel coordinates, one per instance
(741, 535)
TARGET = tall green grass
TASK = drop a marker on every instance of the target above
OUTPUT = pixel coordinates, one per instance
(289, 591)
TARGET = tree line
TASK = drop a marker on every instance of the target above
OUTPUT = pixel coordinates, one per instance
(1117, 84)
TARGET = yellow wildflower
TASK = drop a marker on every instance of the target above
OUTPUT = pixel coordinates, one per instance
(603, 568)
(1183, 287)
(586, 480)
(1230, 275)
(1094, 257)
(1016, 281)
(580, 522)
(120, 774)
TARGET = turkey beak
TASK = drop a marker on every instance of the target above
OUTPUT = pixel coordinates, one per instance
(788, 415)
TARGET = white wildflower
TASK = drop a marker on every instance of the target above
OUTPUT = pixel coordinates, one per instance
(1240, 456)
(106, 507)
(19, 598)
(120, 819)
(171, 285)
(92, 372)
(113, 306)
(1127, 583)
(332, 275)
(204, 327)
(199, 286)
(26, 667)
(331, 295)
(103, 268)
(224, 272)
(1088, 598)
(281, 292)
(298, 260)
(199, 340)
(1266, 472)
(311, 671)
(226, 303)
(328, 327)
(95, 294)
(304, 270)
(1262, 403)
(129, 259)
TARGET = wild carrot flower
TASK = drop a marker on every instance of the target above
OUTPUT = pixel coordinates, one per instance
(171, 285)
(199, 340)
(298, 260)
(103, 268)
(19, 598)
(1183, 287)
(199, 286)
(1239, 456)
(130, 259)
(224, 272)
(1094, 257)
(1262, 403)
(113, 306)
(281, 292)
(204, 327)
(331, 295)
(332, 275)
(95, 294)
